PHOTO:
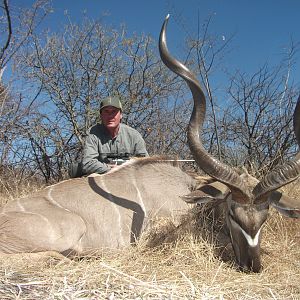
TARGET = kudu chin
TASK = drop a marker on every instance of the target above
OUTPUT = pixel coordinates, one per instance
(247, 199)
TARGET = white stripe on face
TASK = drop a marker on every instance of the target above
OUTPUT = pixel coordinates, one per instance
(253, 242)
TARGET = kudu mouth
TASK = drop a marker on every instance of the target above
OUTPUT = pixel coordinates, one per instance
(248, 261)
(253, 262)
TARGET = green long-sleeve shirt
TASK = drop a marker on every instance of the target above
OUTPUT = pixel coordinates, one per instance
(99, 143)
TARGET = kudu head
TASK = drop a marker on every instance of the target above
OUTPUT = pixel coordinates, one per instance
(247, 199)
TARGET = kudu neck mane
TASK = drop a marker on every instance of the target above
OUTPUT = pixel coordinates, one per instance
(139, 163)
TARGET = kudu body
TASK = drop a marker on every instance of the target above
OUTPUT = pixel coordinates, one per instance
(247, 199)
(111, 210)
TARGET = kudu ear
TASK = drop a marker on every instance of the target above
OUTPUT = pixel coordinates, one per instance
(287, 206)
(215, 191)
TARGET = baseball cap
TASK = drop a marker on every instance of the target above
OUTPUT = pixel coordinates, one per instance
(111, 101)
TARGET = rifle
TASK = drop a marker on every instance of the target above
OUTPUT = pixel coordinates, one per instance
(75, 168)
(120, 158)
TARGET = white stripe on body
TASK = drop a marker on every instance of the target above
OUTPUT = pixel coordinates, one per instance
(78, 247)
(139, 201)
(139, 195)
(115, 208)
(21, 207)
(52, 201)
(52, 235)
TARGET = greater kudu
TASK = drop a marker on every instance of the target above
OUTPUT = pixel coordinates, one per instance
(247, 199)
(104, 211)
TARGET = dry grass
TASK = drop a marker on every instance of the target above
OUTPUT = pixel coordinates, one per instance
(187, 266)
(18, 187)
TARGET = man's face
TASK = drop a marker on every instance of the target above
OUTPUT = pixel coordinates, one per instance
(111, 116)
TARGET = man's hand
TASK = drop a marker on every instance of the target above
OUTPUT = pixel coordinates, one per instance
(113, 166)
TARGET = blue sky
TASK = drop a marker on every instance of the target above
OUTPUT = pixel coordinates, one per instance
(262, 28)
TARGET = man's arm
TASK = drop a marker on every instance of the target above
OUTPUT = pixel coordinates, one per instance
(140, 146)
(90, 162)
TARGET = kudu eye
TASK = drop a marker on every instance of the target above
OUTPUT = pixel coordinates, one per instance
(232, 216)
(235, 221)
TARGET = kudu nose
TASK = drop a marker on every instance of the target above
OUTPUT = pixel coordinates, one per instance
(251, 265)
(249, 269)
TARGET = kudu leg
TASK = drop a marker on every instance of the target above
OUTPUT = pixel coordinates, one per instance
(53, 229)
